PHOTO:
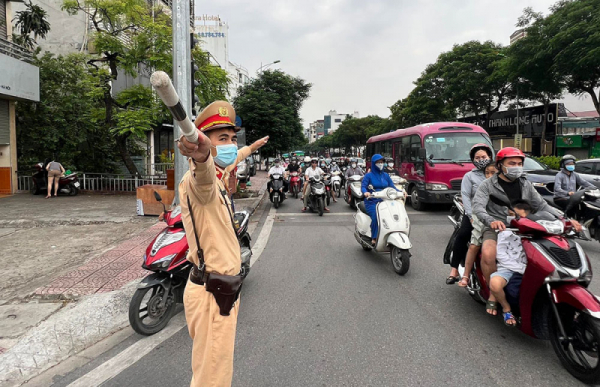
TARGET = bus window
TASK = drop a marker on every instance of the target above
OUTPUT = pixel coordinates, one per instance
(442, 148)
(415, 145)
(397, 152)
(405, 149)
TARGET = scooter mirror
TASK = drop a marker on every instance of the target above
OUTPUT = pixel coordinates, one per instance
(157, 197)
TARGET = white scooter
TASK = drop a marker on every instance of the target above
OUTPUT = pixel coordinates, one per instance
(394, 228)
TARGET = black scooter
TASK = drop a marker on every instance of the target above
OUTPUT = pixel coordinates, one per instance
(585, 206)
(68, 185)
(317, 195)
(276, 193)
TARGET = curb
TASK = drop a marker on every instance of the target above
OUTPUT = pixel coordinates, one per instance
(72, 329)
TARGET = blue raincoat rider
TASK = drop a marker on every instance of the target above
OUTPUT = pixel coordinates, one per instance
(378, 180)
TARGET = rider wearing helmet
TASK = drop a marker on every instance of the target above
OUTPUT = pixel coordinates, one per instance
(354, 169)
(567, 181)
(389, 167)
(509, 184)
(378, 180)
(277, 169)
(311, 172)
(481, 156)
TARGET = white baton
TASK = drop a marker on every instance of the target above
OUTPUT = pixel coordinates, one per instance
(165, 90)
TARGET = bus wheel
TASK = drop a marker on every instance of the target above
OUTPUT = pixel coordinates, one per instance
(414, 200)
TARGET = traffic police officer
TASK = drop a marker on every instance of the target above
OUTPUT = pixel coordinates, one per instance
(211, 161)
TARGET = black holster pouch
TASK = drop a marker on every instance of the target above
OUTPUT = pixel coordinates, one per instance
(226, 289)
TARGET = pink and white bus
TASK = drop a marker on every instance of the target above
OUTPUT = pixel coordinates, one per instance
(432, 157)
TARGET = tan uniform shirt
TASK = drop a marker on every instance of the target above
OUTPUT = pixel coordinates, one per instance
(203, 184)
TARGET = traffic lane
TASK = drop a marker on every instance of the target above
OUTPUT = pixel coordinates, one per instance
(323, 311)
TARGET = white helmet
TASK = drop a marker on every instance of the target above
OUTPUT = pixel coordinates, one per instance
(307, 159)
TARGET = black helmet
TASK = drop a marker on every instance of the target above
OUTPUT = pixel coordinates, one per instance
(481, 146)
(276, 161)
(566, 158)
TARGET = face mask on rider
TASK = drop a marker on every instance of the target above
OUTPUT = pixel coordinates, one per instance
(353, 165)
(512, 173)
(481, 163)
(570, 168)
(379, 166)
(391, 165)
(226, 155)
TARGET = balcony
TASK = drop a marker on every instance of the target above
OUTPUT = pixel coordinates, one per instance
(15, 51)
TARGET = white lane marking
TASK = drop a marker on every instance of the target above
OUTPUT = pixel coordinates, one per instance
(129, 356)
(263, 237)
(142, 347)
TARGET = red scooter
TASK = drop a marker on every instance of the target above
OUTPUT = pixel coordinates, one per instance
(154, 301)
(295, 185)
(551, 300)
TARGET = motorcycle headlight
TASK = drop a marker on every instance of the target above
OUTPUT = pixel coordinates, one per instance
(166, 239)
(163, 263)
(392, 194)
(555, 227)
(436, 187)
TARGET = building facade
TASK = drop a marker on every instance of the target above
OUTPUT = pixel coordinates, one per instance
(213, 34)
(20, 80)
(333, 120)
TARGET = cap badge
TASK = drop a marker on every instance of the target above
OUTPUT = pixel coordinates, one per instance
(223, 112)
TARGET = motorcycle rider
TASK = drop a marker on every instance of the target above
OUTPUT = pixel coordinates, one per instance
(481, 155)
(314, 170)
(354, 169)
(378, 180)
(277, 169)
(206, 205)
(334, 168)
(509, 184)
(389, 167)
(567, 181)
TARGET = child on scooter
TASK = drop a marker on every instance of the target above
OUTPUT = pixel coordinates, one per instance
(476, 236)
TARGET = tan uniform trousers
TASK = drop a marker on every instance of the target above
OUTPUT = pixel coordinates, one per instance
(213, 335)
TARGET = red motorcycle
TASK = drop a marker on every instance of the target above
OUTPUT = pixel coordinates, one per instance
(550, 300)
(154, 301)
(295, 185)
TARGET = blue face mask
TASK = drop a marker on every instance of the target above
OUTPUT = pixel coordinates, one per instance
(570, 168)
(226, 155)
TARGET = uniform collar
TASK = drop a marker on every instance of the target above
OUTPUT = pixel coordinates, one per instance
(220, 172)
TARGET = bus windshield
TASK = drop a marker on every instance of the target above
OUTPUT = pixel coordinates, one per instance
(452, 147)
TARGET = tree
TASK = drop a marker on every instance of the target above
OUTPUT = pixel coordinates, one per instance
(530, 70)
(270, 106)
(571, 36)
(214, 82)
(128, 36)
(32, 20)
(60, 125)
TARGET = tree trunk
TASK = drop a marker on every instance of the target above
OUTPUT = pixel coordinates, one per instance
(125, 156)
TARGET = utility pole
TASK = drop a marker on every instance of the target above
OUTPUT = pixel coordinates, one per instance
(182, 57)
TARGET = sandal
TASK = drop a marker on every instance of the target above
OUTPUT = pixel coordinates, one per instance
(326, 209)
(304, 209)
(451, 280)
(491, 306)
(509, 316)
(464, 282)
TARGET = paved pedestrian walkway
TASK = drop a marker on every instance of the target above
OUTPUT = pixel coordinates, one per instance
(107, 272)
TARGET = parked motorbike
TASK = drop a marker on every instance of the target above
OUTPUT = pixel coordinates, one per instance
(154, 301)
(295, 184)
(317, 195)
(336, 182)
(276, 193)
(68, 185)
(551, 300)
(354, 193)
(394, 228)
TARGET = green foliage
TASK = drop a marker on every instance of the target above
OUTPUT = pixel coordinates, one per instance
(269, 106)
(31, 20)
(214, 82)
(61, 125)
(553, 162)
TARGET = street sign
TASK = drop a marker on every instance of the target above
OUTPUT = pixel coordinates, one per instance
(238, 121)
(518, 140)
(575, 141)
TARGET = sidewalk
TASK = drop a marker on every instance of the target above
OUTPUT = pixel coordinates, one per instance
(86, 304)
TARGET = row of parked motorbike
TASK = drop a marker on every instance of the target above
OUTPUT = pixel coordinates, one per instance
(551, 300)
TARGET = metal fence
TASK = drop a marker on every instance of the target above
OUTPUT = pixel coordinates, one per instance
(161, 168)
(103, 182)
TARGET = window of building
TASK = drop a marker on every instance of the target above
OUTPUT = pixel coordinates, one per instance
(338, 120)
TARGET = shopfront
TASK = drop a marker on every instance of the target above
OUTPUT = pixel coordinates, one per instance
(579, 137)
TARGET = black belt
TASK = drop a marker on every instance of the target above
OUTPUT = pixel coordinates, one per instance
(197, 277)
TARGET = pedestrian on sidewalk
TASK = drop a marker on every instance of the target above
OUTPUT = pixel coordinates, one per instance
(55, 171)
(213, 246)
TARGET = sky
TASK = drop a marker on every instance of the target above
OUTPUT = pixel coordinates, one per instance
(362, 55)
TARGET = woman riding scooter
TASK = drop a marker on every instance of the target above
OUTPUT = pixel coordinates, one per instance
(481, 156)
(376, 180)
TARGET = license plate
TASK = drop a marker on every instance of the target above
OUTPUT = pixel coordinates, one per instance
(76, 184)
